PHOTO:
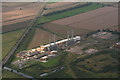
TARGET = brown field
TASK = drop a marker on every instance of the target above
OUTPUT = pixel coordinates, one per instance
(17, 21)
(62, 8)
(16, 26)
(12, 6)
(116, 5)
(6, 4)
(16, 15)
(58, 4)
(14, 18)
(41, 37)
(97, 19)
(61, 29)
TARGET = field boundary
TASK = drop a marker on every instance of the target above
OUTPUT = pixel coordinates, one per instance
(23, 36)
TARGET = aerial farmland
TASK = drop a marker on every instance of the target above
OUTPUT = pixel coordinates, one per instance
(60, 40)
(18, 15)
(97, 19)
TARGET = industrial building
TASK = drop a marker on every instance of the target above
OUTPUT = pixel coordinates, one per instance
(42, 53)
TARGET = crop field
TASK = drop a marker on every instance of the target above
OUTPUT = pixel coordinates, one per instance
(102, 64)
(115, 5)
(41, 37)
(58, 4)
(59, 8)
(9, 40)
(14, 13)
(45, 19)
(15, 26)
(62, 29)
(12, 4)
(97, 19)
(18, 16)
(17, 21)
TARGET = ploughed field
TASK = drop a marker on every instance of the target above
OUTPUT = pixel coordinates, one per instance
(63, 29)
(46, 31)
(13, 13)
(54, 7)
(15, 26)
(18, 15)
(97, 19)
(41, 37)
(58, 4)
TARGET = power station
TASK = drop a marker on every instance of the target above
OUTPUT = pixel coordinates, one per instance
(42, 53)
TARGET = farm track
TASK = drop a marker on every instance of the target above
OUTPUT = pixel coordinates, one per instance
(24, 35)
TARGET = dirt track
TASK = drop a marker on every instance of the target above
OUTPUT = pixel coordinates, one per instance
(93, 20)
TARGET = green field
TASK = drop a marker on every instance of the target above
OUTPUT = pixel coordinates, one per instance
(9, 39)
(8, 74)
(52, 62)
(103, 64)
(54, 1)
(51, 2)
(68, 13)
(34, 68)
(59, 74)
(23, 45)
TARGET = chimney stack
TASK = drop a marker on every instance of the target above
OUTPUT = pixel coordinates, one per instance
(68, 36)
(54, 38)
(50, 40)
(72, 33)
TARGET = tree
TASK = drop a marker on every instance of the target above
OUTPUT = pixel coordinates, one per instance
(20, 8)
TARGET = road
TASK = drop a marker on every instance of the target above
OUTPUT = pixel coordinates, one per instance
(32, 23)
(19, 73)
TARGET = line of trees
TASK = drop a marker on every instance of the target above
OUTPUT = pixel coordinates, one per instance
(60, 11)
(93, 32)
(104, 30)
(111, 31)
